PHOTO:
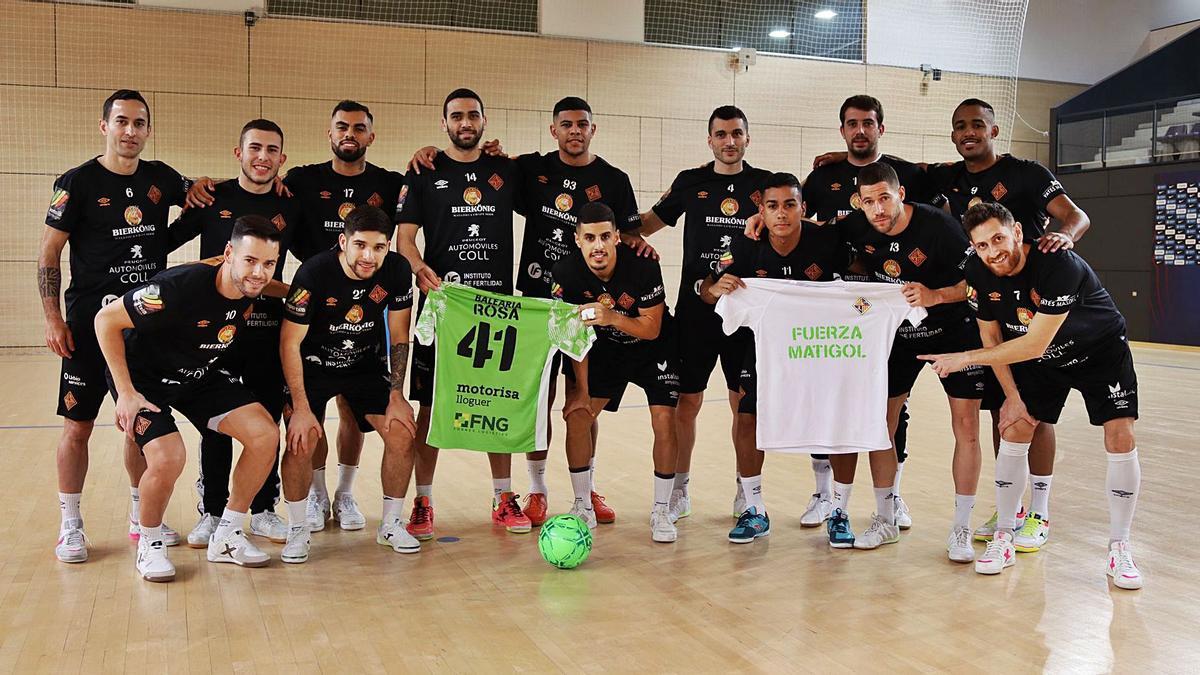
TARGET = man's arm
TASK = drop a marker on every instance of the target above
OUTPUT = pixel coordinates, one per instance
(303, 422)
(49, 275)
(651, 223)
(406, 245)
(920, 295)
(1074, 222)
(711, 289)
(1033, 344)
(645, 326)
(991, 336)
(111, 322)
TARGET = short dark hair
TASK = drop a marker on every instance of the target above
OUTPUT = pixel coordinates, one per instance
(728, 112)
(572, 103)
(861, 102)
(976, 102)
(461, 92)
(124, 95)
(878, 172)
(367, 218)
(255, 226)
(261, 124)
(985, 211)
(782, 179)
(596, 212)
(352, 106)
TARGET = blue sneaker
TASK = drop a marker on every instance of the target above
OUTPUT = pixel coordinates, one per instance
(750, 526)
(838, 527)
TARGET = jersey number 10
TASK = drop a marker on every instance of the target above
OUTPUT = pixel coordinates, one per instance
(476, 345)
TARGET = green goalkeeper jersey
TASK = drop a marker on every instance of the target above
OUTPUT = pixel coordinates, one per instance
(492, 369)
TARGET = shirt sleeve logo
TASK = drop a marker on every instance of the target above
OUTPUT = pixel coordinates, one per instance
(147, 300)
(58, 203)
(297, 303)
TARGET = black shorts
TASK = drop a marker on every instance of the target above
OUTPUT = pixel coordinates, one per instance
(701, 343)
(1105, 377)
(652, 367)
(420, 386)
(366, 391)
(83, 381)
(748, 383)
(204, 403)
(257, 363)
(904, 366)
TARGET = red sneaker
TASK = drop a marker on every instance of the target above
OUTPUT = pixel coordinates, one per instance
(604, 512)
(507, 512)
(420, 525)
(535, 508)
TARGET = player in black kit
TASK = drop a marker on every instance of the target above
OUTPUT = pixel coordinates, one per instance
(621, 294)
(255, 359)
(334, 322)
(113, 209)
(327, 192)
(465, 207)
(794, 248)
(1048, 326)
(163, 342)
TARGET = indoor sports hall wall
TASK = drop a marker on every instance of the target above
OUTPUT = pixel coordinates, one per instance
(207, 74)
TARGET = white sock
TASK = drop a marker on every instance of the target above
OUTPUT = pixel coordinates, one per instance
(662, 489)
(296, 511)
(346, 474)
(962, 510)
(591, 476)
(899, 473)
(752, 486)
(581, 486)
(230, 520)
(682, 478)
(823, 475)
(135, 511)
(738, 480)
(1039, 495)
(500, 486)
(1122, 483)
(393, 509)
(318, 484)
(1012, 467)
(885, 504)
(68, 506)
(537, 476)
(152, 534)
(841, 496)
(427, 492)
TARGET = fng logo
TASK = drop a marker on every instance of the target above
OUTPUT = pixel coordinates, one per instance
(477, 422)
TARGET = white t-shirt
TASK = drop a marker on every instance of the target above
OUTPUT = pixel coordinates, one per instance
(822, 351)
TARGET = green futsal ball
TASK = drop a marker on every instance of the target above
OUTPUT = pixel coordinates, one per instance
(565, 541)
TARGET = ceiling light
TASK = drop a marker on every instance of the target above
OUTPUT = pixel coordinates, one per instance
(825, 14)
(779, 33)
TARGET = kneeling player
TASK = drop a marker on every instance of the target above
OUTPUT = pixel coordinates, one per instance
(621, 295)
(329, 347)
(793, 249)
(1047, 315)
(182, 322)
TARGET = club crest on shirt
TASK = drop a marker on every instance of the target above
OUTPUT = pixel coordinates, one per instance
(496, 181)
(345, 209)
(917, 257)
(998, 191)
(1025, 316)
(225, 335)
(625, 301)
(472, 196)
(814, 272)
(355, 314)
(563, 202)
(729, 206)
(375, 200)
(606, 300)
(280, 222)
(861, 305)
(756, 197)
(892, 268)
(133, 216)
(154, 194)
(378, 294)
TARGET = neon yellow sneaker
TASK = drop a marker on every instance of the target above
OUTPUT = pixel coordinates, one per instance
(1033, 534)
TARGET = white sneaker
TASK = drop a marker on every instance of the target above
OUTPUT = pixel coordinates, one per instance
(662, 529)
(396, 535)
(816, 512)
(72, 543)
(235, 548)
(739, 501)
(169, 536)
(1031, 536)
(316, 512)
(958, 545)
(345, 510)
(295, 549)
(268, 524)
(903, 517)
(585, 511)
(877, 534)
(680, 505)
(152, 563)
(998, 555)
(1124, 573)
(203, 531)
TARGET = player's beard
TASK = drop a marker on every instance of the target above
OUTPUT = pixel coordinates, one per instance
(245, 286)
(470, 144)
(866, 153)
(249, 174)
(348, 155)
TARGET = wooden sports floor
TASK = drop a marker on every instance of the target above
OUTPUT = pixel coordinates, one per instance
(487, 602)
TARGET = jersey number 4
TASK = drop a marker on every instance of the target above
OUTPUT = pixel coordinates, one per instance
(476, 345)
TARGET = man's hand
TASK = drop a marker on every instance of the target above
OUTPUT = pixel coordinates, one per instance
(1012, 412)
(596, 314)
(1054, 241)
(945, 364)
(59, 338)
(423, 158)
(639, 245)
(754, 226)
(726, 285)
(302, 427)
(493, 148)
(828, 158)
(128, 407)
(919, 295)
(399, 411)
(200, 194)
(427, 279)
(281, 189)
